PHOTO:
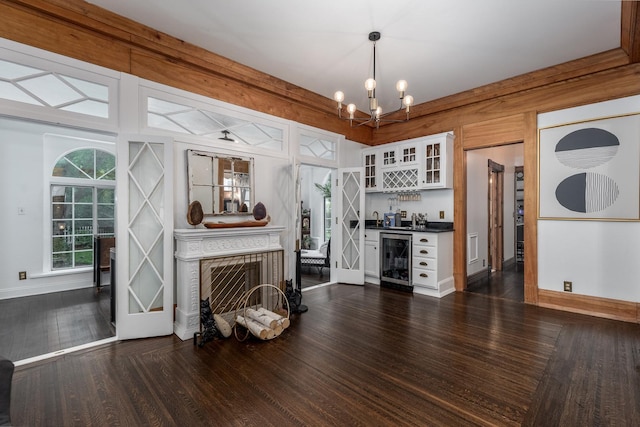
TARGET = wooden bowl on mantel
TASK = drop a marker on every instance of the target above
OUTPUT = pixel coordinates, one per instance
(237, 224)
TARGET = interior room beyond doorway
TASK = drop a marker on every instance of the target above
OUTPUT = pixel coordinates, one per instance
(506, 281)
(315, 224)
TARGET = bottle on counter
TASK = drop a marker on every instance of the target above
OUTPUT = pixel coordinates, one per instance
(413, 220)
(398, 218)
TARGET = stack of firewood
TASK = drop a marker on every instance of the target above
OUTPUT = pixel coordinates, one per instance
(262, 323)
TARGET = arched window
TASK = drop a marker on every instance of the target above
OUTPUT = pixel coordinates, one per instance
(82, 205)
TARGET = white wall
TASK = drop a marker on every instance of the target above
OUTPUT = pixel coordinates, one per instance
(599, 257)
(26, 238)
(477, 210)
(431, 203)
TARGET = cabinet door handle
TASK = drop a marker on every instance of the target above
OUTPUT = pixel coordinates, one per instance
(424, 251)
(424, 240)
(424, 275)
(423, 263)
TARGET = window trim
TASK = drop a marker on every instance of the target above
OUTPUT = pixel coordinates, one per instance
(67, 144)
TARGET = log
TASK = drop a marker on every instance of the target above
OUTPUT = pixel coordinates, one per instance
(284, 321)
(261, 318)
(258, 330)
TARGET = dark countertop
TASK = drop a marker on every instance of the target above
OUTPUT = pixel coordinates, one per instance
(432, 227)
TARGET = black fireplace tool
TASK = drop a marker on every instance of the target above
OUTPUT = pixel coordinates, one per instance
(294, 296)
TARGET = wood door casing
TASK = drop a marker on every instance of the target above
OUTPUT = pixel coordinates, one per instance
(495, 215)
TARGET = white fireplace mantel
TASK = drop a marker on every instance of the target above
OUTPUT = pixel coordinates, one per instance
(194, 244)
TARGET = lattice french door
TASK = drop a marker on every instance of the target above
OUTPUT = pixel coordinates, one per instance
(144, 245)
(347, 251)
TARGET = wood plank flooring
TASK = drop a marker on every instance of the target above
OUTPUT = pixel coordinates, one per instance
(36, 325)
(507, 284)
(360, 356)
(311, 277)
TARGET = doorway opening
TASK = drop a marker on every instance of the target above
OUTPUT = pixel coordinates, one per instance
(316, 225)
(492, 219)
(63, 182)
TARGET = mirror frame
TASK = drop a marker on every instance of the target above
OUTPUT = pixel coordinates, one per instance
(218, 188)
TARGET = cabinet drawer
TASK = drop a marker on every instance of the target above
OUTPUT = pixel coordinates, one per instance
(424, 240)
(424, 263)
(424, 251)
(424, 278)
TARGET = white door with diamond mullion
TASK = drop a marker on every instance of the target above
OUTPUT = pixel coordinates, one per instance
(349, 242)
(144, 263)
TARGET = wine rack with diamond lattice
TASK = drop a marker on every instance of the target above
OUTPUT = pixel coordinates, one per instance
(402, 179)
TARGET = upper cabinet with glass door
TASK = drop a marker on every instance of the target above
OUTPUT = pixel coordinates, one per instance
(370, 157)
(222, 184)
(417, 164)
(437, 161)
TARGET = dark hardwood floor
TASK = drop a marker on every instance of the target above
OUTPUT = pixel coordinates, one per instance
(507, 284)
(361, 355)
(311, 276)
(36, 325)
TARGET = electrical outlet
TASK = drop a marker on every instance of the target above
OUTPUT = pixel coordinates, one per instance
(441, 214)
(568, 286)
(483, 262)
(22, 275)
(403, 214)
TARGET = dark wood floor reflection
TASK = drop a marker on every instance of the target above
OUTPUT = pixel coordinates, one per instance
(507, 284)
(40, 324)
(311, 276)
(361, 355)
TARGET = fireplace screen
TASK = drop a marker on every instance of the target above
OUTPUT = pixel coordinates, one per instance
(225, 279)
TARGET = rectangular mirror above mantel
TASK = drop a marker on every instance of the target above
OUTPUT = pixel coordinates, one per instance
(223, 184)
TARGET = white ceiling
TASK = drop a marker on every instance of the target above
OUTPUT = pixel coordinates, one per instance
(441, 47)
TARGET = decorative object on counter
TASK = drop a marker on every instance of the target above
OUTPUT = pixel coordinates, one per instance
(259, 211)
(195, 213)
(237, 224)
(389, 220)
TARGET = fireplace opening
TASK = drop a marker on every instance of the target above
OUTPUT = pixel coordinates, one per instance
(224, 280)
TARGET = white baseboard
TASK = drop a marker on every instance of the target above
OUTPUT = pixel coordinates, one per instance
(45, 288)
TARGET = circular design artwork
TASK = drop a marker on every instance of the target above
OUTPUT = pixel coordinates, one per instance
(587, 192)
(587, 148)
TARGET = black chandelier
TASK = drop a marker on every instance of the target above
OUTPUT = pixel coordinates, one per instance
(375, 112)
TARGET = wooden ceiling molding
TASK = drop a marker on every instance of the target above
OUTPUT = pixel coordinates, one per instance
(87, 32)
(597, 87)
(505, 130)
(630, 30)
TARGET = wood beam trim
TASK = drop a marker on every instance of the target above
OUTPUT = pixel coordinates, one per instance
(602, 86)
(630, 30)
(568, 70)
(135, 35)
(530, 133)
(495, 132)
(155, 68)
(119, 41)
(459, 211)
(626, 311)
(54, 35)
